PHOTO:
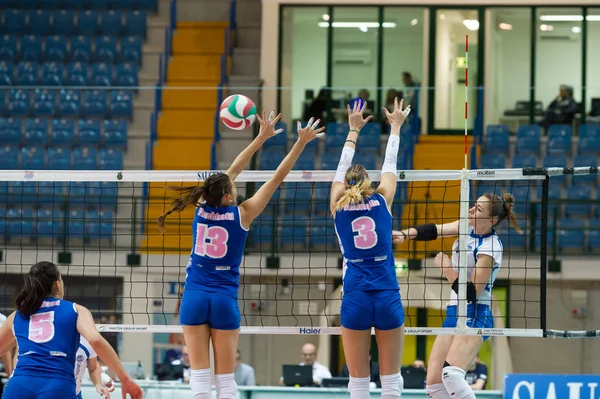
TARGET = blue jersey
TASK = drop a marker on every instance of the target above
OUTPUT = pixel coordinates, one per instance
(218, 246)
(48, 340)
(365, 235)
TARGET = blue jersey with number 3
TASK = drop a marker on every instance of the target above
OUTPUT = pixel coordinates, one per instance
(365, 235)
(217, 249)
(48, 340)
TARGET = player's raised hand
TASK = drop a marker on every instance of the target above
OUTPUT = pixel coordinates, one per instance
(129, 386)
(355, 115)
(310, 132)
(267, 125)
(398, 115)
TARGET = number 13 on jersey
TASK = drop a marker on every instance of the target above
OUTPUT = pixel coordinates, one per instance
(367, 236)
(211, 241)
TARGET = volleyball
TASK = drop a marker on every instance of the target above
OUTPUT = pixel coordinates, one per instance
(238, 112)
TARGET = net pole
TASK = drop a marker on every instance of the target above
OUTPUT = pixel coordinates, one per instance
(461, 323)
(544, 254)
(466, 99)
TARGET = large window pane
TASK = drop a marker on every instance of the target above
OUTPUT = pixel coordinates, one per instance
(355, 55)
(509, 67)
(304, 62)
(593, 64)
(558, 64)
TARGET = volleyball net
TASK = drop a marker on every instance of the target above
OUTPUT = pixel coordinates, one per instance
(100, 227)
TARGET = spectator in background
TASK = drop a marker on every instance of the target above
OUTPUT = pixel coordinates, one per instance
(185, 362)
(309, 356)
(317, 107)
(476, 376)
(419, 364)
(561, 110)
(375, 376)
(244, 373)
(409, 87)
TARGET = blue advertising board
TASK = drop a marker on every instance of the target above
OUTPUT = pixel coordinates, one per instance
(551, 386)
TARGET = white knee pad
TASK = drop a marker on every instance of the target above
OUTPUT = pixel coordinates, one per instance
(200, 382)
(226, 386)
(437, 391)
(455, 383)
(392, 386)
(359, 387)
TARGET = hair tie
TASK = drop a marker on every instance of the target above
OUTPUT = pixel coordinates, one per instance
(352, 182)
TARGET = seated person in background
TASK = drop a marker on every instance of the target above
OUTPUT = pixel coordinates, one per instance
(562, 110)
(244, 373)
(476, 376)
(317, 108)
(375, 377)
(309, 354)
(185, 362)
(419, 364)
(594, 114)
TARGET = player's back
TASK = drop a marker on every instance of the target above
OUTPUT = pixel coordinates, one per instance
(47, 340)
(217, 249)
(365, 234)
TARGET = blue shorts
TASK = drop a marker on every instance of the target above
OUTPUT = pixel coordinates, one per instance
(362, 310)
(28, 387)
(219, 311)
(478, 316)
(79, 396)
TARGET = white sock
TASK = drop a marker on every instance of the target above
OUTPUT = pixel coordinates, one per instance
(437, 391)
(200, 382)
(392, 386)
(455, 383)
(359, 387)
(226, 386)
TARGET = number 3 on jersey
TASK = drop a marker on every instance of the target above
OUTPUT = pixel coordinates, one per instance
(41, 327)
(211, 241)
(367, 237)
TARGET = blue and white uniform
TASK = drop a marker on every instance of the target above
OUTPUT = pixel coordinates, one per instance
(479, 315)
(370, 286)
(48, 341)
(84, 353)
(212, 274)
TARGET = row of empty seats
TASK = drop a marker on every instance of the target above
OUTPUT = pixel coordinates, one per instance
(60, 158)
(98, 196)
(69, 23)
(68, 103)
(77, 49)
(63, 132)
(149, 5)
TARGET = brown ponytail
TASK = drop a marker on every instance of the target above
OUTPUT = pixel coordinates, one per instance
(38, 284)
(502, 208)
(358, 187)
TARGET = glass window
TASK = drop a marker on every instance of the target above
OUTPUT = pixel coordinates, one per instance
(592, 104)
(558, 65)
(509, 66)
(303, 62)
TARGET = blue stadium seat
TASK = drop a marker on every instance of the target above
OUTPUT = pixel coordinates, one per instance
(69, 103)
(121, 104)
(39, 23)
(528, 139)
(115, 133)
(2, 101)
(523, 161)
(88, 132)
(50, 192)
(75, 4)
(52, 74)
(497, 139)
(44, 102)
(321, 198)
(589, 130)
(510, 238)
(130, 49)
(77, 74)
(127, 76)
(48, 222)
(31, 48)
(2, 220)
(551, 234)
(495, 129)
(99, 229)
(98, 4)
(55, 49)
(76, 192)
(8, 48)
(81, 49)
(583, 161)
(553, 161)
(87, 23)
(366, 159)
(589, 140)
(579, 193)
(102, 75)
(105, 49)
(270, 159)
(59, 158)
(76, 224)
(20, 222)
(523, 196)
(277, 142)
(25, 4)
(23, 193)
(293, 230)
(571, 234)
(263, 228)
(19, 102)
(122, 4)
(94, 104)
(334, 142)
(85, 158)
(559, 139)
(50, 4)
(554, 193)
(594, 235)
(329, 161)
(32, 158)
(297, 197)
(63, 132)
(27, 74)
(111, 159)
(64, 22)
(493, 161)
(7, 72)
(370, 137)
(14, 22)
(148, 5)
(9, 157)
(135, 23)
(306, 161)
(10, 131)
(36, 132)
(106, 194)
(112, 23)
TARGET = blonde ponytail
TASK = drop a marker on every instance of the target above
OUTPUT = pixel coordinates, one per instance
(358, 187)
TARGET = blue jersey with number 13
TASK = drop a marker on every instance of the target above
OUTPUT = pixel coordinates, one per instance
(365, 235)
(217, 250)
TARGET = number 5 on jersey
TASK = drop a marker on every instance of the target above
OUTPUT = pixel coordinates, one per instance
(41, 327)
(211, 241)
(367, 237)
